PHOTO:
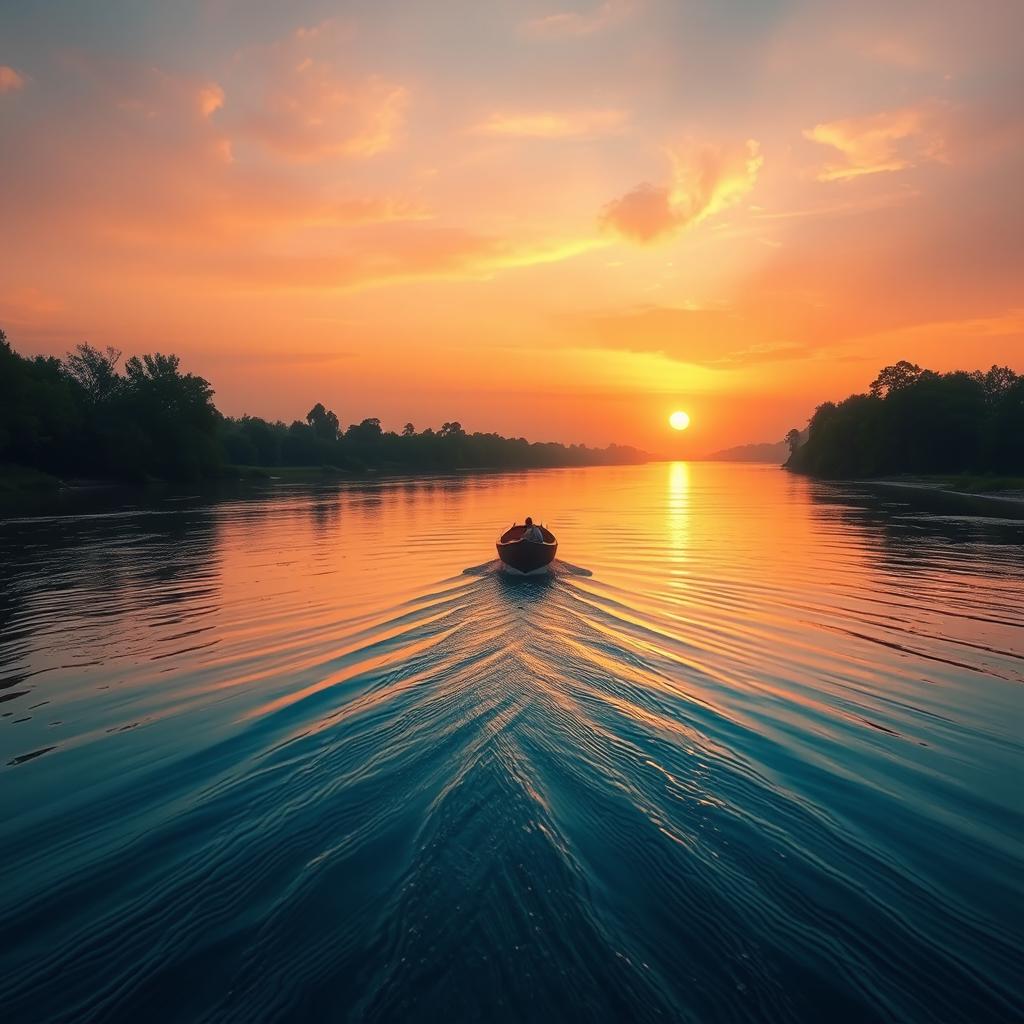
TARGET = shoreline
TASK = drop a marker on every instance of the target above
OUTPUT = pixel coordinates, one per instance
(992, 494)
(20, 482)
(1008, 503)
(949, 485)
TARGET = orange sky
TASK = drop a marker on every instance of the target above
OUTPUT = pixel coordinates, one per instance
(556, 219)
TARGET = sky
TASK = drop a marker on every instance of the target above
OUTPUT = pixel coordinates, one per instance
(560, 219)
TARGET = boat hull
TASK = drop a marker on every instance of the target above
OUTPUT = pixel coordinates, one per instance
(523, 555)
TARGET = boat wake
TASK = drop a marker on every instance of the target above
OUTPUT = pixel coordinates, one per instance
(556, 568)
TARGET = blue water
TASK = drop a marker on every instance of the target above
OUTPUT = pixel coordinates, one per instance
(753, 752)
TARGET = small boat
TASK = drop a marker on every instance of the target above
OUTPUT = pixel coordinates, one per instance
(526, 555)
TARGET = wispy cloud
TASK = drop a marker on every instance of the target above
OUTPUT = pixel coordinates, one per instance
(296, 100)
(154, 168)
(10, 80)
(845, 208)
(381, 254)
(888, 141)
(716, 338)
(28, 303)
(580, 124)
(706, 178)
(1006, 324)
(576, 23)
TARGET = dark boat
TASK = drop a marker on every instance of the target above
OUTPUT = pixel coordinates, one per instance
(526, 555)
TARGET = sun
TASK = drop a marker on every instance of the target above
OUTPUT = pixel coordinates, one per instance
(679, 420)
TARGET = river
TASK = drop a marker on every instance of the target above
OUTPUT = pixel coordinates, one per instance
(752, 752)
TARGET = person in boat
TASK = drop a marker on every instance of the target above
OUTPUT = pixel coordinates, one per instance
(532, 532)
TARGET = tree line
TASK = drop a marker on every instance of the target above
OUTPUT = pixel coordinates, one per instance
(915, 420)
(87, 416)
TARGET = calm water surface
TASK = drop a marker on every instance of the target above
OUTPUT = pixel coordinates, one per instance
(305, 754)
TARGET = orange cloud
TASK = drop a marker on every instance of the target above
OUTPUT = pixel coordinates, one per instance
(544, 125)
(10, 80)
(155, 168)
(315, 114)
(573, 23)
(306, 109)
(210, 99)
(888, 141)
(147, 193)
(28, 303)
(715, 338)
(706, 179)
(367, 257)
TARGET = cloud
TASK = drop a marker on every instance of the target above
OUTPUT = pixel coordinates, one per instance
(140, 157)
(573, 23)
(715, 338)
(888, 141)
(10, 80)
(293, 99)
(27, 303)
(380, 254)
(845, 208)
(579, 124)
(312, 114)
(706, 179)
(210, 98)
(1008, 323)
(130, 183)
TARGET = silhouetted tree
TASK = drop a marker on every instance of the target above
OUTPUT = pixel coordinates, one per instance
(173, 418)
(366, 432)
(919, 421)
(793, 440)
(323, 422)
(893, 378)
(996, 381)
(82, 416)
(94, 372)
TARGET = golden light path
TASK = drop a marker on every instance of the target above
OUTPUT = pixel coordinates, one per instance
(679, 420)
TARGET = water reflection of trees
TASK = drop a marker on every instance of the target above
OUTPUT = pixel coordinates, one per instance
(325, 512)
(900, 523)
(76, 585)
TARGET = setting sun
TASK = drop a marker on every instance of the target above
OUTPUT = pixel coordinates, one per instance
(679, 420)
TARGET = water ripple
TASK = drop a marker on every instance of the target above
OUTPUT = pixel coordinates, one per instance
(294, 766)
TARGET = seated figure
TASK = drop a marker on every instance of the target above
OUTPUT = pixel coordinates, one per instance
(532, 532)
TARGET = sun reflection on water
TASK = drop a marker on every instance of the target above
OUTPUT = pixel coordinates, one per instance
(678, 506)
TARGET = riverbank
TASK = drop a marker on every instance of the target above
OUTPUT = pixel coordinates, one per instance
(20, 481)
(1002, 488)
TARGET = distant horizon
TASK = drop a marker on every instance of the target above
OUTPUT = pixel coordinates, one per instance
(59, 350)
(684, 444)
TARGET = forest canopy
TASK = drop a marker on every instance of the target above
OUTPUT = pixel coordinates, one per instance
(915, 420)
(86, 416)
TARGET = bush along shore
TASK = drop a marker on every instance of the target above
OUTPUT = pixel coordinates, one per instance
(87, 417)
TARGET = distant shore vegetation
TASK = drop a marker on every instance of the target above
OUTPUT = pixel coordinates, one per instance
(89, 416)
(917, 421)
